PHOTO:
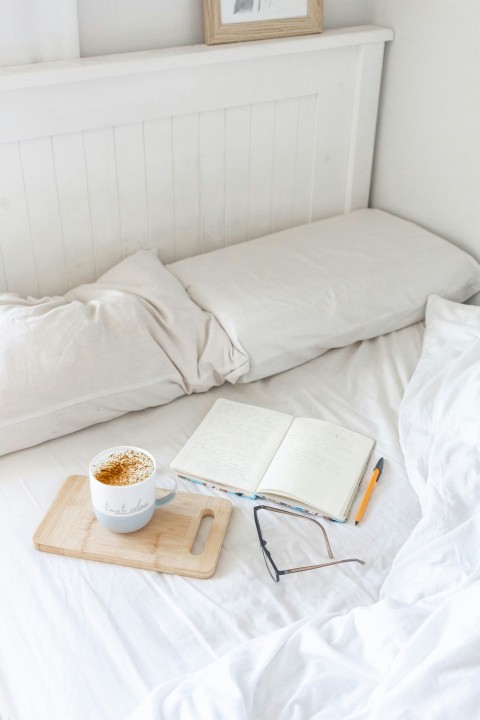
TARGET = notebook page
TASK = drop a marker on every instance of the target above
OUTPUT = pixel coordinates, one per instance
(233, 445)
(318, 464)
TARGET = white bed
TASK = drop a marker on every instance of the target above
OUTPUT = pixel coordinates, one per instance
(187, 151)
(93, 639)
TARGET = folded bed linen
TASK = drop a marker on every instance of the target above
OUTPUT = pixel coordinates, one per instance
(81, 639)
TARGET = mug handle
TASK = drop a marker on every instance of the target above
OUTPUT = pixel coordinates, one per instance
(166, 498)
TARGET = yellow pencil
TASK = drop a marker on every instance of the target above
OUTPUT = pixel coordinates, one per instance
(373, 480)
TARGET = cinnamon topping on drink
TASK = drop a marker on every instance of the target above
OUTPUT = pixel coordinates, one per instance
(124, 468)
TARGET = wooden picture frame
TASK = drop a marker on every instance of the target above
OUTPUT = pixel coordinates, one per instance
(253, 23)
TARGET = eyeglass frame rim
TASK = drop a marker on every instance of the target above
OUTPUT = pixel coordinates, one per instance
(263, 543)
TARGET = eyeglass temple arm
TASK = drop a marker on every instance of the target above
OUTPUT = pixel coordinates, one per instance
(314, 567)
(307, 567)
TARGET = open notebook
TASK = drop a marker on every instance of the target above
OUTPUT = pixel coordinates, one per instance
(302, 462)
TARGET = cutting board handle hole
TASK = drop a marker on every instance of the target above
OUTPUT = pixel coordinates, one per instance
(202, 534)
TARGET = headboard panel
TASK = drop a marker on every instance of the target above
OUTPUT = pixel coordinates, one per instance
(185, 150)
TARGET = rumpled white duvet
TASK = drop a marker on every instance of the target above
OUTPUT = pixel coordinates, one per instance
(416, 652)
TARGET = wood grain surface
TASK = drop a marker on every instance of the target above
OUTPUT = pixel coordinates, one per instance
(165, 544)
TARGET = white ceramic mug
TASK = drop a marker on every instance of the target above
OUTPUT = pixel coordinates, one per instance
(126, 508)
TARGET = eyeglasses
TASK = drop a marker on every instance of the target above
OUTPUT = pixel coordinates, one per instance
(275, 573)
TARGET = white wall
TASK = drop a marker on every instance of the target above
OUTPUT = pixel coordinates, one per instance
(112, 26)
(427, 163)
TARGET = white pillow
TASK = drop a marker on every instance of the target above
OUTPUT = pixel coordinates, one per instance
(131, 340)
(288, 297)
(439, 414)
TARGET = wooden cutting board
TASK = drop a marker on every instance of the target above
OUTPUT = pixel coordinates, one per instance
(164, 545)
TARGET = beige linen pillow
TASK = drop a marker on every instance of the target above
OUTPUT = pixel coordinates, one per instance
(288, 297)
(131, 340)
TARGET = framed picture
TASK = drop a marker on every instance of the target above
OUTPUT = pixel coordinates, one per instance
(237, 20)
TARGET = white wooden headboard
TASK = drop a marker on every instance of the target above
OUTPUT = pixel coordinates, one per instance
(186, 150)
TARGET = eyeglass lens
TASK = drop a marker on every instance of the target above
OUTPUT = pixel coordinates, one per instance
(270, 568)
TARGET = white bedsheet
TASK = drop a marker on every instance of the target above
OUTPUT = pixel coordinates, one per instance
(83, 640)
(415, 652)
